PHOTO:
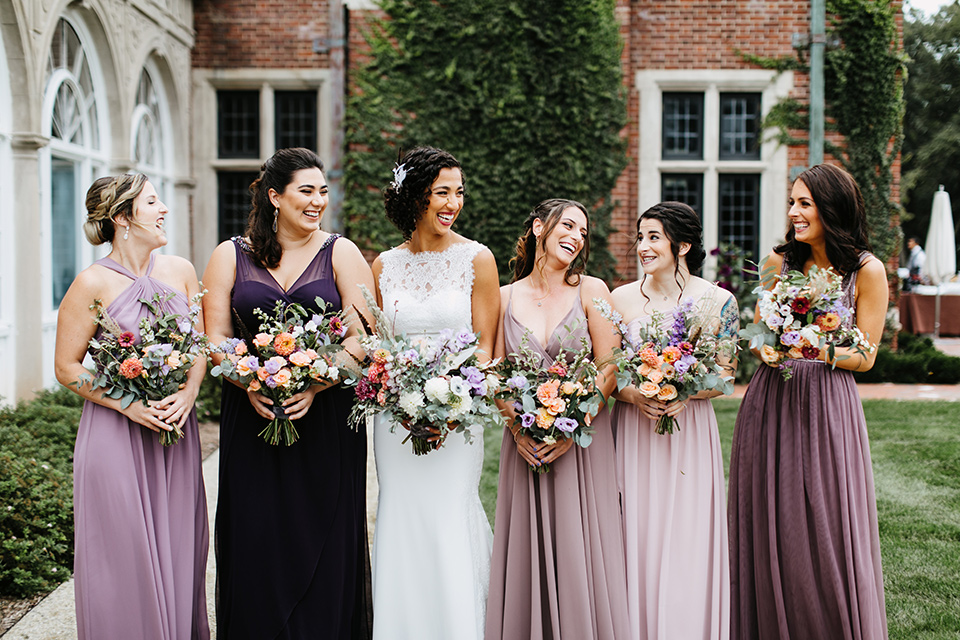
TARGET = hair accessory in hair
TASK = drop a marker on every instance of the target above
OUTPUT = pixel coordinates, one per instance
(399, 173)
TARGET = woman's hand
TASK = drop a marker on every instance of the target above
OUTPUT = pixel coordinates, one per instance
(261, 404)
(549, 453)
(299, 404)
(650, 407)
(675, 407)
(147, 416)
(175, 408)
(528, 448)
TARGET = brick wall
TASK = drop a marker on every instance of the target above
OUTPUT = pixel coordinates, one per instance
(266, 34)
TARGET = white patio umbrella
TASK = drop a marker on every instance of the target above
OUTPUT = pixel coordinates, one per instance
(941, 248)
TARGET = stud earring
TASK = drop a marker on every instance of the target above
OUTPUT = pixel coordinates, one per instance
(126, 232)
(276, 214)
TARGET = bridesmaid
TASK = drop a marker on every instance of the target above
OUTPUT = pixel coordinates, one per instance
(139, 507)
(291, 524)
(674, 513)
(804, 544)
(557, 569)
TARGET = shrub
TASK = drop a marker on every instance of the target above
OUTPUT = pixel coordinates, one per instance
(36, 492)
(916, 361)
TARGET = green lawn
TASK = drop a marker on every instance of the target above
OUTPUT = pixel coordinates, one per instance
(916, 461)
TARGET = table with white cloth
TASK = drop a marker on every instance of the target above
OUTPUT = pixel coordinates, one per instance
(918, 310)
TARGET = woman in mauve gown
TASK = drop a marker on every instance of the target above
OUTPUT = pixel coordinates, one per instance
(139, 507)
(674, 513)
(557, 570)
(292, 558)
(804, 543)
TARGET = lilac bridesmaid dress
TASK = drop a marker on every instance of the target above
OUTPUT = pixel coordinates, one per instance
(140, 512)
(557, 570)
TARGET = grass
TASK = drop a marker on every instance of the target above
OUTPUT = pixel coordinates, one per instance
(915, 447)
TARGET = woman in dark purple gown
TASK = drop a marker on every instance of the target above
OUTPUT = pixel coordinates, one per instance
(804, 542)
(292, 558)
(140, 509)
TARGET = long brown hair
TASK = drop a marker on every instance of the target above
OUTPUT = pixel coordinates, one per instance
(548, 212)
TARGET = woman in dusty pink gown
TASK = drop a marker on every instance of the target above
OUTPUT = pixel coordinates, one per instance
(674, 515)
(139, 507)
(557, 568)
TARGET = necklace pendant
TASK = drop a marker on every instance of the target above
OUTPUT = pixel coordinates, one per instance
(540, 304)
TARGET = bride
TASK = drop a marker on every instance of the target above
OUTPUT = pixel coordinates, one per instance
(431, 548)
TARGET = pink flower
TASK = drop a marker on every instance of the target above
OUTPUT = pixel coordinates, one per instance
(557, 368)
(262, 339)
(337, 326)
(282, 377)
(284, 343)
(548, 391)
(254, 385)
(671, 354)
(126, 339)
(240, 348)
(300, 358)
(649, 389)
(667, 392)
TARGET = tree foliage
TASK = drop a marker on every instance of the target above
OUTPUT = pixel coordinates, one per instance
(931, 146)
(863, 88)
(526, 94)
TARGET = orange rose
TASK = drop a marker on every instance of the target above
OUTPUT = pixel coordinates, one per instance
(645, 370)
(650, 357)
(299, 358)
(254, 385)
(240, 348)
(282, 377)
(649, 389)
(769, 355)
(548, 391)
(557, 406)
(829, 322)
(568, 388)
(655, 376)
(544, 419)
(795, 352)
(667, 392)
(262, 339)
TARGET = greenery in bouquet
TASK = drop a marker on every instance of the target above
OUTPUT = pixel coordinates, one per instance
(150, 364)
(801, 316)
(293, 349)
(555, 401)
(675, 355)
(432, 385)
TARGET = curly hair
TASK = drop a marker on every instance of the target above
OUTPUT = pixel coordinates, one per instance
(842, 213)
(277, 174)
(548, 212)
(107, 198)
(406, 202)
(680, 224)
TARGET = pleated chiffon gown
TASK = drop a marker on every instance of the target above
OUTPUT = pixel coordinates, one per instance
(558, 569)
(140, 510)
(804, 542)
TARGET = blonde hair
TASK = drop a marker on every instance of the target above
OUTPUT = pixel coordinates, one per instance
(108, 198)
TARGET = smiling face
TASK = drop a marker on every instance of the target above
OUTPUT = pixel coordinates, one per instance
(655, 249)
(303, 201)
(444, 204)
(804, 215)
(149, 215)
(567, 237)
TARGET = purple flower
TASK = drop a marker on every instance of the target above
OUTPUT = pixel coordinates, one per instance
(184, 325)
(527, 420)
(272, 366)
(683, 364)
(160, 349)
(365, 390)
(517, 406)
(567, 425)
(464, 338)
(517, 382)
(715, 251)
(270, 382)
(791, 338)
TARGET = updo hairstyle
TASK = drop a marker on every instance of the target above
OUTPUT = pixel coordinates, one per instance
(108, 198)
(406, 202)
(680, 224)
(276, 173)
(549, 213)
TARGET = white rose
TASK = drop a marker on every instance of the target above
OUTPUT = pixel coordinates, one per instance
(333, 373)
(811, 334)
(460, 406)
(437, 389)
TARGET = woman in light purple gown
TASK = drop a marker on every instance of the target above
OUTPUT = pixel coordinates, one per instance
(557, 569)
(139, 507)
(804, 539)
(674, 516)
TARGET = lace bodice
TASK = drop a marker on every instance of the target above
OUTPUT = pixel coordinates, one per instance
(429, 291)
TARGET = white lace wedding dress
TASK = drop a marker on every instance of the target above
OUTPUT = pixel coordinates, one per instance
(432, 544)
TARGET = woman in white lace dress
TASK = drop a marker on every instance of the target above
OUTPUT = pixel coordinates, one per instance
(432, 544)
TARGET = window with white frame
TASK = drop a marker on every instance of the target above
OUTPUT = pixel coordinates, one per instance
(148, 140)
(701, 143)
(72, 121)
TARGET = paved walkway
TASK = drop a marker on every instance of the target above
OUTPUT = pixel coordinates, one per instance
(54, 617)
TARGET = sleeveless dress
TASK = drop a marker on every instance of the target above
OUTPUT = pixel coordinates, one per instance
(675, 517)
(431, 547)
(291, 527)
(140, 511)
(557, 569)
(804, 543)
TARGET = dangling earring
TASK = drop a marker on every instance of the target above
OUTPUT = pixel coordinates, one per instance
(276, 214)
(126, 232)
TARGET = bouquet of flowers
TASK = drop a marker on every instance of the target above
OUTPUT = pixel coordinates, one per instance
(431, 385)
(555, 401)
(800, 317)
(674, 356)
(151, 365)
(293, 350)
